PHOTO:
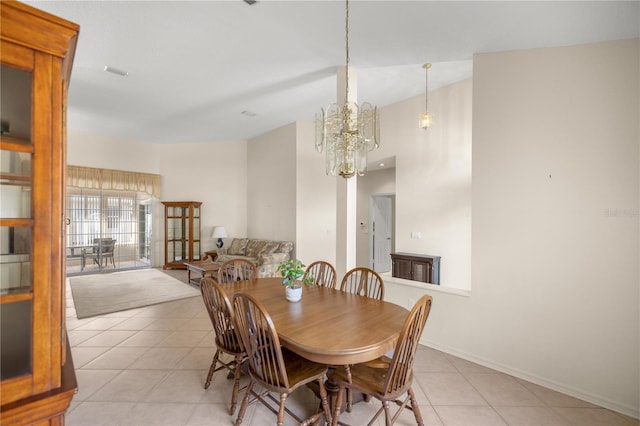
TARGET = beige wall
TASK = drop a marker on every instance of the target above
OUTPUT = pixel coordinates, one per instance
(316, 206)
(555, 241)
(555, 218)
(213, 173)
(271, 197)
(433, 178)
(97, 150)
(554, 247)
(289, 196)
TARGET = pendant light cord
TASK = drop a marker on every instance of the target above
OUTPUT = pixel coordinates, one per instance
(426, 89)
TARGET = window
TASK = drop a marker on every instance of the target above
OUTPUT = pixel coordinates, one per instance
(124, 216)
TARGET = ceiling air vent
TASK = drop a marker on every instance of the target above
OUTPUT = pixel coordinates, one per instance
(116, 71)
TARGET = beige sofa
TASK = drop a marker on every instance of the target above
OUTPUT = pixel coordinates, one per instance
(265, 254)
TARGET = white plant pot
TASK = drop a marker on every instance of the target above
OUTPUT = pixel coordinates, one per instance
(294, 294)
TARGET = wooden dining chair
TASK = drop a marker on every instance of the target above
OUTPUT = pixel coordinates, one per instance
(323, 273)
(387, 379)
(236, 270)
(227, 340)
(364, 282)
(272, 367)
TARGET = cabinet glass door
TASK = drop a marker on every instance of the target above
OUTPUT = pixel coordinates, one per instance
(196, 233)
(182, 232)
(16, 223)
(175, 237)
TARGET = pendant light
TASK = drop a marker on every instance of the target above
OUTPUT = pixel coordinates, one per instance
(425, 119)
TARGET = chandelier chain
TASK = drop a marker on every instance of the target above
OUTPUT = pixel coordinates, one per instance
(346, 72)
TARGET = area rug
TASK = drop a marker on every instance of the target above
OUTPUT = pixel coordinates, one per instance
(118, 291)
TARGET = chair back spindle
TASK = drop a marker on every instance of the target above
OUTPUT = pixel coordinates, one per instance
(387, 379)
(364, 282)
(261, 342)
(221, 314)
(236, 270)
(268, 363)
(401, 366)
(227, 338)
(323, 273)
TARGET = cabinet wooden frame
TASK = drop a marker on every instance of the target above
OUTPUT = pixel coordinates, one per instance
(191, 236)
(43, 45)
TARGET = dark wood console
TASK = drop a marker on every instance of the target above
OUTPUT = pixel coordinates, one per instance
(416, 267)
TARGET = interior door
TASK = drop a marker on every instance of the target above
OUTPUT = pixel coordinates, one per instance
(382, 224)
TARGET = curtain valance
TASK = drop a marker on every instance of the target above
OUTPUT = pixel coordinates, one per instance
(92, 178)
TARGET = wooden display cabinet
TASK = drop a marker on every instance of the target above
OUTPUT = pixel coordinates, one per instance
(416, 267)
(37, 379)
(181, 233)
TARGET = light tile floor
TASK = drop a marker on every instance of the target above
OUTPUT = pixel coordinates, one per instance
(147, 366)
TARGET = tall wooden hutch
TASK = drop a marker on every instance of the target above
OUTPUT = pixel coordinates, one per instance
(181, 233)
(37, 380)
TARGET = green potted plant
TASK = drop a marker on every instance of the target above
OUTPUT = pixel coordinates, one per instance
(291, 271)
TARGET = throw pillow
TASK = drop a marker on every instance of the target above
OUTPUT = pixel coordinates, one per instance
(285, 247)
(238, 246)
(254, 247)
(269, 248)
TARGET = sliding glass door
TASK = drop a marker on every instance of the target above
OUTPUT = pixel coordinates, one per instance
(107, 230)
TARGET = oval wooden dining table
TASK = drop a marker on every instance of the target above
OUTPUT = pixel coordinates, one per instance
(328, 326)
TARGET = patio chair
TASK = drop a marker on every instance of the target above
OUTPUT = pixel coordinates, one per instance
(102, 250)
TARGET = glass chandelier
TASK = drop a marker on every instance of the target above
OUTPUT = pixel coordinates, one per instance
(347, 132)
(425, 119)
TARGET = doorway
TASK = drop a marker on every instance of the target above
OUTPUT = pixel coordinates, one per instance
(381, 231)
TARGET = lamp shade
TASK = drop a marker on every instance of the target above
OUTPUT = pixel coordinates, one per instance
(219, 232)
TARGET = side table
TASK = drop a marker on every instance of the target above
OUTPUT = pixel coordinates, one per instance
(202, 268)
(213, 254)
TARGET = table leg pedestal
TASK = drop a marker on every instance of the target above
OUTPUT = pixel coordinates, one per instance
(332, 394)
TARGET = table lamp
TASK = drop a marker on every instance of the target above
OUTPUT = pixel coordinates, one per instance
(219, 232)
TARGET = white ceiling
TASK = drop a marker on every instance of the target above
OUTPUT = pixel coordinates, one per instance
(195, 66)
